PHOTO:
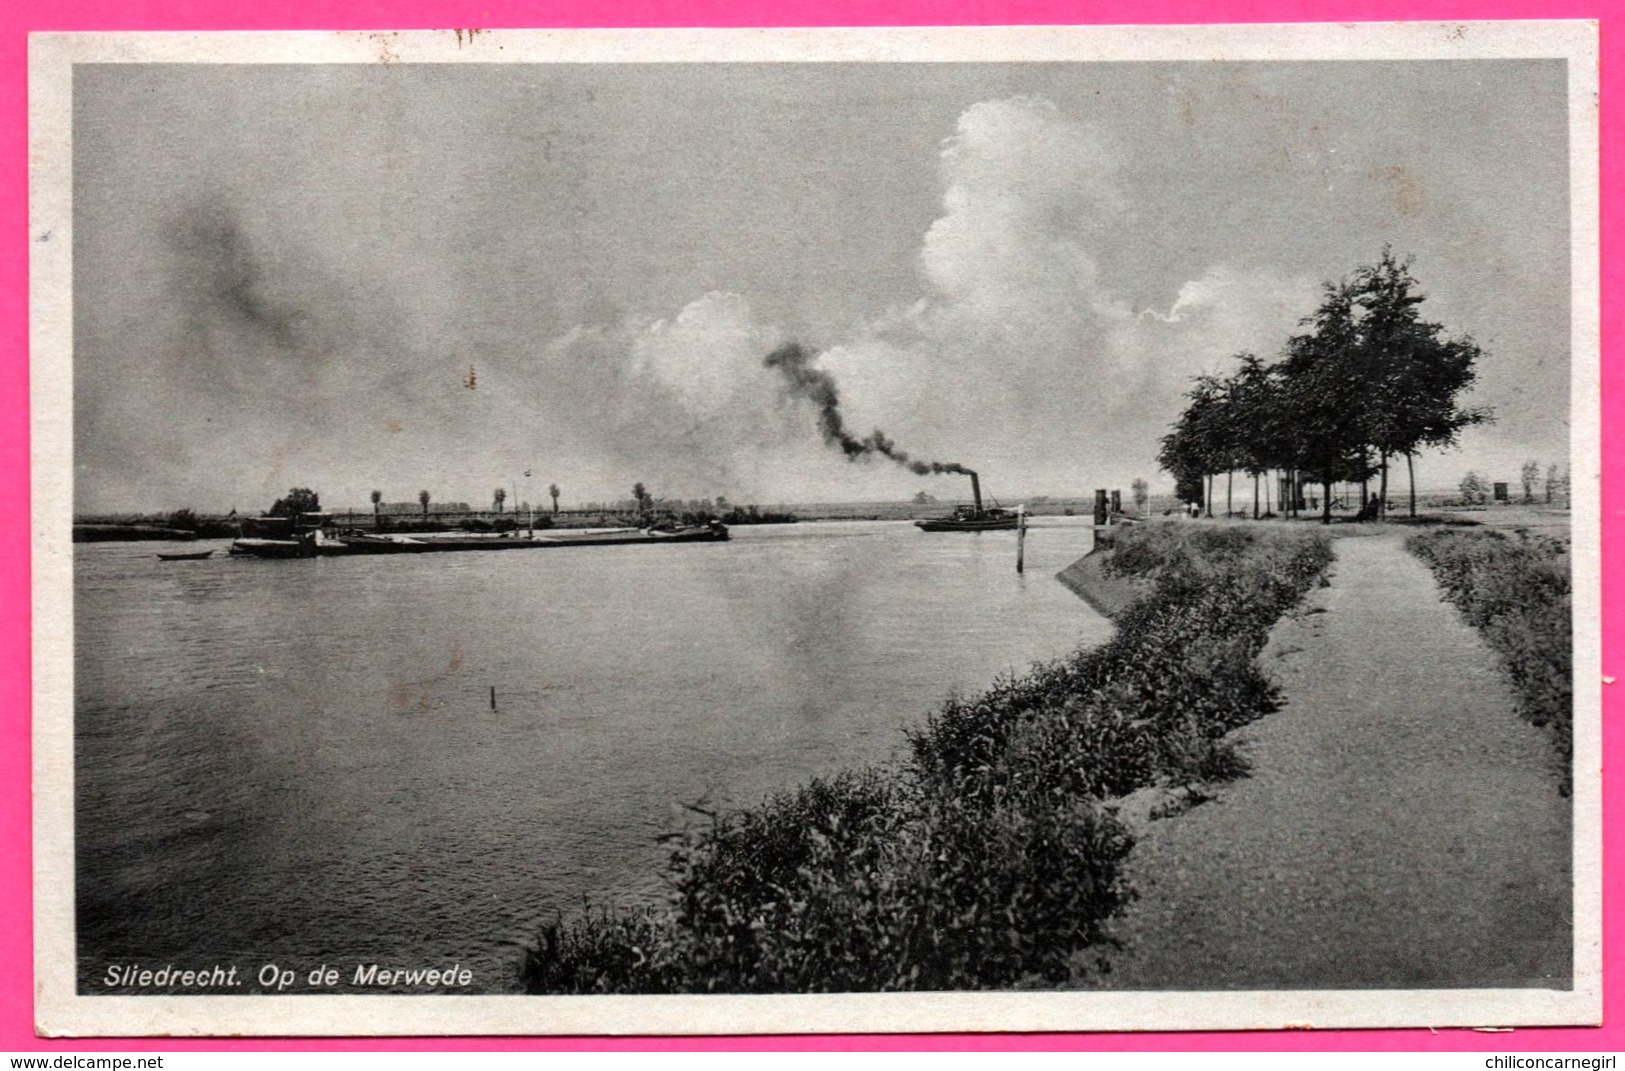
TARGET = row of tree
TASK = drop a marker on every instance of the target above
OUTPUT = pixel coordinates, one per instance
(498, 498)
(1366, 381)
(1475, 490)
(303, 500)
(1557, 483)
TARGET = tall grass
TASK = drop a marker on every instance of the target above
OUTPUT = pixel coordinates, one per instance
(987, 854)
(1517, 591)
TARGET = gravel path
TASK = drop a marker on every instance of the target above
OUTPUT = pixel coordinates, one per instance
(1401, 827)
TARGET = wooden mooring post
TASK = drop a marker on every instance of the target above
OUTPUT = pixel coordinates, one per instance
(1021, 538)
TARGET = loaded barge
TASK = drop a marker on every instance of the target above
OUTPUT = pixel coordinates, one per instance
(309, 537)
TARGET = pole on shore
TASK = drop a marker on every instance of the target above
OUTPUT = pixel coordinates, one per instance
(493, 697)
(1021, 538)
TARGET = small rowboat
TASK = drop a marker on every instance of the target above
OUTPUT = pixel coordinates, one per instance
(188, 556)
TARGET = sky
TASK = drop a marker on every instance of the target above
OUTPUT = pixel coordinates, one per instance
(444, 277)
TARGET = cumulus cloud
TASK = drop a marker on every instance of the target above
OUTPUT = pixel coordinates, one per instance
(1020, 357)
(1021, 352)
(1024, 187)
(1223, 312)
(708, 356)
(683, 403)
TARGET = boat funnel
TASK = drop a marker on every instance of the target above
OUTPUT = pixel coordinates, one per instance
(976, 492)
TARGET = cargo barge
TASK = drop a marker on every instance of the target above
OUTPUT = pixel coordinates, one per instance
(310, 538)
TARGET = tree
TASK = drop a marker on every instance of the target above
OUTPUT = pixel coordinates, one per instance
(641, 494)
(1141, 492)
(1252, 422)
(499, 497)
(1181, 458)
(1557, 485)
(1322, 392)
(1372, 379)
(1229, 424)
(377, 499)
(423, 500)
(1366, 379)
(1530, 475)
(1202, 441)
(1474, 491)
(299, 500)
(553, 492)
(922, 498)
(1412, 372)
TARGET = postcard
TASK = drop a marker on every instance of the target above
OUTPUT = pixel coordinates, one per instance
(816, 531)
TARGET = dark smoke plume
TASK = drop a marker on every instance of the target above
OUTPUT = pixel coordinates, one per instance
(818, 387)
(226, 275)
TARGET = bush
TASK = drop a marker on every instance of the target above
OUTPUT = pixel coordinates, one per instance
(987, 855)
(857, 883)
(1517, 591)
(1180, 666)
(1474, 491)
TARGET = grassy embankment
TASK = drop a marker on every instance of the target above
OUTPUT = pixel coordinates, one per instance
(986, 855)
(1517, 591)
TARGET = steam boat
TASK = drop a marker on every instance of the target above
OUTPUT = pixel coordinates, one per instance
(973, 518)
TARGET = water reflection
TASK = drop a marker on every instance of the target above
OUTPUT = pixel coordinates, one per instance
(299, 761)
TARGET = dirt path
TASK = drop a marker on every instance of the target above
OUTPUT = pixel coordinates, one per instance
(1401, 827)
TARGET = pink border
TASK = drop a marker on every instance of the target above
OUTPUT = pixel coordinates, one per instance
(19, 18)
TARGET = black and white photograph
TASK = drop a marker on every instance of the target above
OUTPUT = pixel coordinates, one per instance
(1032, 529)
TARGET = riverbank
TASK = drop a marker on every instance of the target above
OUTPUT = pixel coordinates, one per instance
(1400, 826)
(990, 855)
(1089, 579)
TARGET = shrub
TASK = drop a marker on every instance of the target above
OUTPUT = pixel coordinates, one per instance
(1474, 491)
(1517, 591)
(858, 883)
(985, 856)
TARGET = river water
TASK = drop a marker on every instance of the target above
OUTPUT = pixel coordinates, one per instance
(298, 762)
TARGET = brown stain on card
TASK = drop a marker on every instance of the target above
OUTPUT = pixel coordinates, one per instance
(1407, 190)
(385, 43)
(406, 698)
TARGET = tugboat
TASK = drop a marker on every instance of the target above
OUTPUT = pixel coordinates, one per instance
(973, 518)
